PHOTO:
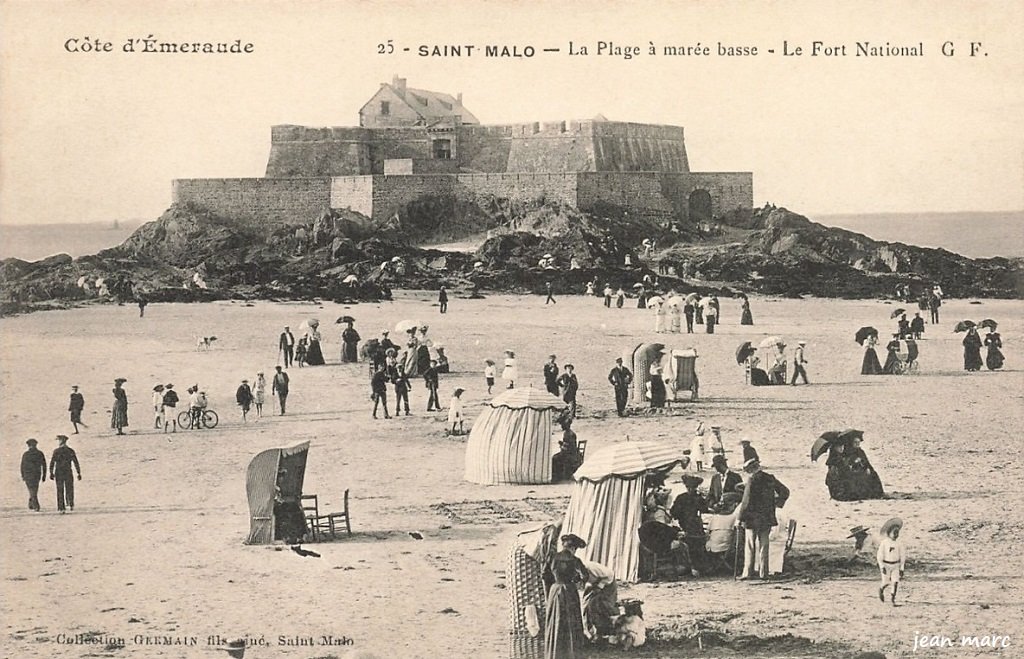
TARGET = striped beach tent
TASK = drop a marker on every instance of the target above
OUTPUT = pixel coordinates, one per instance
(510, 441)
(283, 468)
(606, 508)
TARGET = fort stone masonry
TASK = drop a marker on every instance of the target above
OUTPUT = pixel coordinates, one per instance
(413, 144)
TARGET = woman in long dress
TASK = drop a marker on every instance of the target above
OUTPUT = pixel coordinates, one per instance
(350, 345)
(659, 317)
(563, 633)
(119, 414)
(972, 350)
(871, 365)
(423, 350)
(994, 356)
(746, 318)
(658, 391)
(411, 356)
(510, 371)
(314, 355)
(892, 362)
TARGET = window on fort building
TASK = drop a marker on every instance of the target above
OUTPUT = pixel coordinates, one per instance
(385, 107)
(442, 149)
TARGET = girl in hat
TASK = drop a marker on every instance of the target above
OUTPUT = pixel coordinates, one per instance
(259, 393)
(510, 371)
(158, 406)
(697, 447)
(455, 417)
(489, 374)
(119, 414)
(892, 558)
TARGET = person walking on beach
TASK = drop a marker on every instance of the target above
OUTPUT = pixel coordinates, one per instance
(33, 471)
(170, 402)
(402, 387)
(60, 473)
(76, 404)
(798, 363)
(510, 372)
(158, 406)
(279, 387)
(608, 292)
(688, 311)
(430, 379)
(550, 292)
(710, 317)
(350, 344)
(762, 495)
(119, 414)
(570, 385)
(892, 558)
(379, 391)
(490, 372)
(259, 394)
(142, 307)
(620, 378)
(917, 326)
(243, 396)
(456, 416)
(934, 302)
(442, 298)
(551, 375)
(620, 298)
(286, 344)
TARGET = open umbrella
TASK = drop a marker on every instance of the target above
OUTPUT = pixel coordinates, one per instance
(627, 458)
(897, 312)
(988, 322)
(770, 342)
(744, 351)
(407, 324)
(655, 300)
(674, 301)
(863, 333)
(964, 325)
(692, 297)
(313, 323)
(351, 279)
(638, 285)
(819, 447)
(345, 319)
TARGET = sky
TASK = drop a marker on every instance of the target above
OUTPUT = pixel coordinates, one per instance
(98, 136)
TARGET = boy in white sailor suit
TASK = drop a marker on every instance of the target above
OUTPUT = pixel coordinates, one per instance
(892, 558)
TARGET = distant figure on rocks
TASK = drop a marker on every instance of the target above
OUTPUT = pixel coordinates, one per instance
(244, 398)
(442, 298)
(350, 344)
(286, 345)
(119, 414)
(279, 387)
(551, 375)
(33, 471)
(76, 404)
(61, 461)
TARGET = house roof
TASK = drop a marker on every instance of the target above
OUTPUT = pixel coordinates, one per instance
(432, 106)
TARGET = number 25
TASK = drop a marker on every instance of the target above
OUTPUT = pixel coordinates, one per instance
(386, 48)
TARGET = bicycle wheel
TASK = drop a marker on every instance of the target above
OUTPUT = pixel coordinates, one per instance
(185, 419)
(210, 419)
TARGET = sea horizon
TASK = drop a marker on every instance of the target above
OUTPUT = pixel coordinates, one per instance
(943, 230)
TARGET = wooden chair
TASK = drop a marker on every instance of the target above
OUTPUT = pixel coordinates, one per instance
(581, 446)
(311, 511)
(790, 535)
(331, 522)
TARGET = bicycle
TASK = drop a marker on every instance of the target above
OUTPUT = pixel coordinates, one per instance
(208, 419)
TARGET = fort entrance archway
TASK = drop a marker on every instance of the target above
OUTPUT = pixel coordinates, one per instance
(700, 206)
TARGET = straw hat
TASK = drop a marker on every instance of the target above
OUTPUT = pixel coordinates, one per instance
(574, 540)
(751, 464)
(894, 523)
(858, 530)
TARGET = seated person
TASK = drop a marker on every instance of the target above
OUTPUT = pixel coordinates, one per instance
(758, 376)
(664, 540)
(289, 520)
(656, 506)
(777, 373)
(721, 542)
(565, 463)
(687, 510)
(600, 601)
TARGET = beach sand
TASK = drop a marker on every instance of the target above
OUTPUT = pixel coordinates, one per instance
(154, 547)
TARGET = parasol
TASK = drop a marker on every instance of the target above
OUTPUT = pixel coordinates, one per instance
(820, 447)
(345, 319)
(313, 323)
(897, 312)
(988, 322)
(964, 325)
(407, 324)
(627, 458)
(863, 333)
(771, 342)
(638, 285)
(830, 437)
(674, 301)
(351, 279)
(655, 300)
(744, 351)
(692, 297)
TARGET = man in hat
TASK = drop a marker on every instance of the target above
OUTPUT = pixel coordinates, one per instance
(170, 407)
(860, 535)
(286, 344)
(430, 380)
(280, 387)
(75, 406)
(386, 343)
(687, 510)
(620, 378)
(723, 481)
(551, 375)
(402, 388)
(762, 495)
(379, 391)
(570, 385)
(244, 398)
(749, 452)
(33, 470)
(798, 363)
(60, 472)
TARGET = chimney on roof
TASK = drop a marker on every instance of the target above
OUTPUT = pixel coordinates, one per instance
(458, 97)
(399, 85)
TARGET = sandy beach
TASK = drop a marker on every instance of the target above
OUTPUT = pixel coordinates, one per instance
(154, 547)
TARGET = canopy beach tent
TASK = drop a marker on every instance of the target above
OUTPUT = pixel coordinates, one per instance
(274, 469)
(511, 439)
(606, 508)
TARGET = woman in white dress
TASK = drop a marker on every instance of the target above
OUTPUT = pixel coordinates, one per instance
(697, 447)
(510, 372)
(259, 393)
(659, 317)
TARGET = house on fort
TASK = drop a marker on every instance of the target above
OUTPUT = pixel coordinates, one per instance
(412, 144)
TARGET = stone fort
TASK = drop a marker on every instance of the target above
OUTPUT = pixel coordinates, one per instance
(413, 144)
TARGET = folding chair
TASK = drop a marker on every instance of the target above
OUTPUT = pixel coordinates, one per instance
(581, 445)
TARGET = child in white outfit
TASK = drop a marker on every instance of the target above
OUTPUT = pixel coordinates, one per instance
(455, 412)
(892, 558)
(489, 373)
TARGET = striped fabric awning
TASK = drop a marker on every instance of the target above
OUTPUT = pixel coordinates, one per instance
(523, 397)
(628, 459)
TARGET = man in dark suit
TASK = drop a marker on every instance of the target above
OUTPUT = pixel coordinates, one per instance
(620, 379)
(723, 481)
(287, 345)
(551, 375)
(430, 379)
(280, 387)
(763, 494)
(61, 461)
(33, 470)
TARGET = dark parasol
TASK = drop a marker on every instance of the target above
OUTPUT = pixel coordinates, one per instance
(744, 351)
(863, 333)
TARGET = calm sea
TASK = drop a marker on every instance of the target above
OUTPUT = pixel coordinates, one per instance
(970, 234)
